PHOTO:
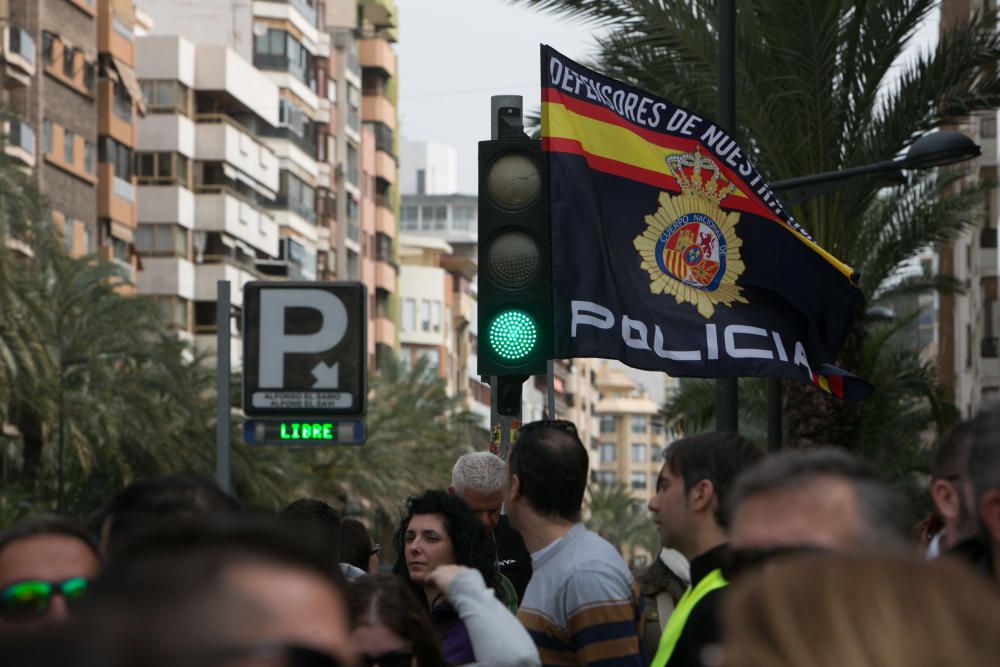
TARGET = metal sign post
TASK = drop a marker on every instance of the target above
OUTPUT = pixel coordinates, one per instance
(222, 422)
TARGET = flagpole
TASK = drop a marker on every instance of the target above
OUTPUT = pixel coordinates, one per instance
(725, 388)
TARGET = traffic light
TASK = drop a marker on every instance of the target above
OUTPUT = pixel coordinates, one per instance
(515, 271)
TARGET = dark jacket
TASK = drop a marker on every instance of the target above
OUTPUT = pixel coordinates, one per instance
(456, 646)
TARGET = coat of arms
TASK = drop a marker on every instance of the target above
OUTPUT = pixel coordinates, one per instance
(690, 247)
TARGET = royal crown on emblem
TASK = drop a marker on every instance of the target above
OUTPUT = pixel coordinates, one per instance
(687, 168)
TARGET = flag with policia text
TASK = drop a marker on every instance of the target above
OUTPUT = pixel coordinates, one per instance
(669, 250)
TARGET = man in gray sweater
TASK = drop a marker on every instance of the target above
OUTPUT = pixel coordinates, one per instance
(581, 606)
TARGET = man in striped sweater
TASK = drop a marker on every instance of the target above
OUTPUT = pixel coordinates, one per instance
(582, 605)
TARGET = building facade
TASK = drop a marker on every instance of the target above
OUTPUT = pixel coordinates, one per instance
(69, 84)
(968, 324)
(256, 129)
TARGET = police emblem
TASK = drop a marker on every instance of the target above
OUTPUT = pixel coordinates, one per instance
(690, 247)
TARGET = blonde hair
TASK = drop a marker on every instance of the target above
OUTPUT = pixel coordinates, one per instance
(862, 611)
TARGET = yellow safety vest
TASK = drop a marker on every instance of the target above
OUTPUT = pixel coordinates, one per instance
(675, 624)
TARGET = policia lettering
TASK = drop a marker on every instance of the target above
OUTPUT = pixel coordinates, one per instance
(675, 624)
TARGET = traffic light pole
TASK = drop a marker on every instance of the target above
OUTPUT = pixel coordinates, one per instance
(499, 419)
(725, 388)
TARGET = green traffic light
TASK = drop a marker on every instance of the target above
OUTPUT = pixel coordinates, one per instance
(513, 335)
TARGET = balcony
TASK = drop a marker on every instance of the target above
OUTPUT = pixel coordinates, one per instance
(291, 220)
(166, 203)
(219, 209)
(377, 108)
(385, 167)
(382, 15)
(20, 141)
(115, 196)
(377, 53)
(112, 119)
(385, 331)
(115, 37)
(18, 54)
(385, 277)
(220, 139)
(385, 221)
(167, 276)
(208, 275)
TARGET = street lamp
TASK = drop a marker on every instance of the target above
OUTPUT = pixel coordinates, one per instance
(934, 149)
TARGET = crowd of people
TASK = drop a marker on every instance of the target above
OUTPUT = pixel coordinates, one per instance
(799, 559)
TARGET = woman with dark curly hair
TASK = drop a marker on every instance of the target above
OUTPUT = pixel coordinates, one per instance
(439, 529)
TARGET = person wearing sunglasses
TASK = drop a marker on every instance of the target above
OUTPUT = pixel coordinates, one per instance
(46, 566)
(389, 628)
(357, 548)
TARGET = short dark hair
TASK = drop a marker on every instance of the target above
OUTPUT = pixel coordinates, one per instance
(315, 514)
(984, 451)
(167, 497)
(49, 524)
(551, 464)
(387, 601)
(883, 509)
(952, 453)
(718, 457)
(355, 544)
(466, 533)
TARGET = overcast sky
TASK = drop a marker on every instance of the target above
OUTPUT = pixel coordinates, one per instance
(454, 54)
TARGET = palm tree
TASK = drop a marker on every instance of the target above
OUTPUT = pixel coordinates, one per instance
(620, 519)
(819, 89)
(415, 434)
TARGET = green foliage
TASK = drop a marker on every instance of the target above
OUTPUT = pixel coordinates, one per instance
(623, 521)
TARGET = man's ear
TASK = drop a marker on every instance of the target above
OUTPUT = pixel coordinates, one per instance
(989, 513)
(515, 487)
(701, 497)
(945, 499)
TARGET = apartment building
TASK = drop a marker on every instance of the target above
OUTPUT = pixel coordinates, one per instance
(208, 183)
(269, 130)
(631, 435)
(68, 78)
(968, 324)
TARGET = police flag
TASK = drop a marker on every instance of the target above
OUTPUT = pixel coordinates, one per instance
(669, 250)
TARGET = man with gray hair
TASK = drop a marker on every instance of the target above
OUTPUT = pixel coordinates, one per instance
(477, 479)
(815, 499)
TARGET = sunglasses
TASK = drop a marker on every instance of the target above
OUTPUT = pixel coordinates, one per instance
(390, 659)
(266, 653)
(25, 600)
(559, 424)
(375, 549)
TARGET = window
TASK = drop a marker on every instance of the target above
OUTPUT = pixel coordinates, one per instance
(607, 452)
(352, 164)
(88, 76)
(331, 89)
(421, 181)
(608, 424)
(162, 169)
(638, 453)
(409, 322)
(276, 49)
(88, 239)
(433, 358)
(436, 315)
(68, 234)
(298, 196)
(68, 61)
(173, 310)
(462, 218)
(604, 477)
(425, 315)
(88, 157)
(67, 147)
(119, 250)
(638, 423)
(47, 40)
(638, 480)
(47, 135)
(440, 217)
(162, 240)
(656, 454)
(166, 96)
(122, 102)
